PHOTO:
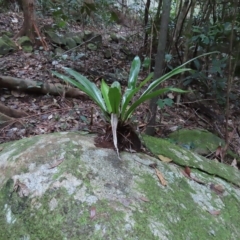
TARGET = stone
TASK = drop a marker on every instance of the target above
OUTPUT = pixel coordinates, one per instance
(116, 38)
(55, 38)
(77, 39)
(92, 47)
(60, 186)
(9, 34)
(199, 141)
(4, 47)
(97, 40)
(107, 54)
(87, 35)
(25, 43)
(59, 51)
(70, 43)
(9, 41)
(128, 52)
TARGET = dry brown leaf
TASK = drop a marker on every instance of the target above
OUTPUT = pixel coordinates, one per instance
(186, 175)
(170, 95)
(219, 152)
(92, 212)
(198, 181)
(17, 93)
(187, 170)
(161, 177)
(234, 163)
(58, 162)
(21, 189)
(214, 212)
(144, 199)
(164, 159)
(217, 188)
(142, 125)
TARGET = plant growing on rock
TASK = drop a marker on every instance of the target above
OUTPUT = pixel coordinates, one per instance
(118, 107)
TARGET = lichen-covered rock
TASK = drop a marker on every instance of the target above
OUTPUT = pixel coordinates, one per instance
(59, 51)
(25, 43)
(116, 38)
(97, 40)
(55, 38)
(87, 35)
(9, 41)
(5, 47)
(77, 39)
(107, 54)
(92, 47)
(9, 34)
(199, 141)
(70, 43)
(60, 186)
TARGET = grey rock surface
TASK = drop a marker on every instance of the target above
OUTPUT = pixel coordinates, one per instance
(60, 186)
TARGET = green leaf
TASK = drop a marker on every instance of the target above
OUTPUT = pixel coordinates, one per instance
(134, 71)
(132, 81)
(149, 96)
(84, 119)
(165, 102)
(105, 91)
(175, 71)
(146, 62)
(130, 93)
(114, 17)
(146, 79)
(162, 79)
(85, 85)
(114, 96)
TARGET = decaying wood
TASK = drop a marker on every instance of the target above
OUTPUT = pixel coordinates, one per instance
(27, 85)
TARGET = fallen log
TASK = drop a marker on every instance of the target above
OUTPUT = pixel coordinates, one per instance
(30, 86)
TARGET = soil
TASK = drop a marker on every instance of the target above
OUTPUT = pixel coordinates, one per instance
(128, 138)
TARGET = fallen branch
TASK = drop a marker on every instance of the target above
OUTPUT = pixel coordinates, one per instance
(27, 85)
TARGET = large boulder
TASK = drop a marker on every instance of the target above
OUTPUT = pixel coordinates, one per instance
(199, 141)
(60, 186)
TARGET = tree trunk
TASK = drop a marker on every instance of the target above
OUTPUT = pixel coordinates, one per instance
(29, 24)
(180, 21)
(159, 61)
(146, 14)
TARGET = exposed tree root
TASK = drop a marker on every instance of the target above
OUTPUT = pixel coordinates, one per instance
(7, 115)
(12, 113)
(5, 120)
(27, 85)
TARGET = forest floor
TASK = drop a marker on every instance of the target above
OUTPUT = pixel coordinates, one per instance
(48, 113)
